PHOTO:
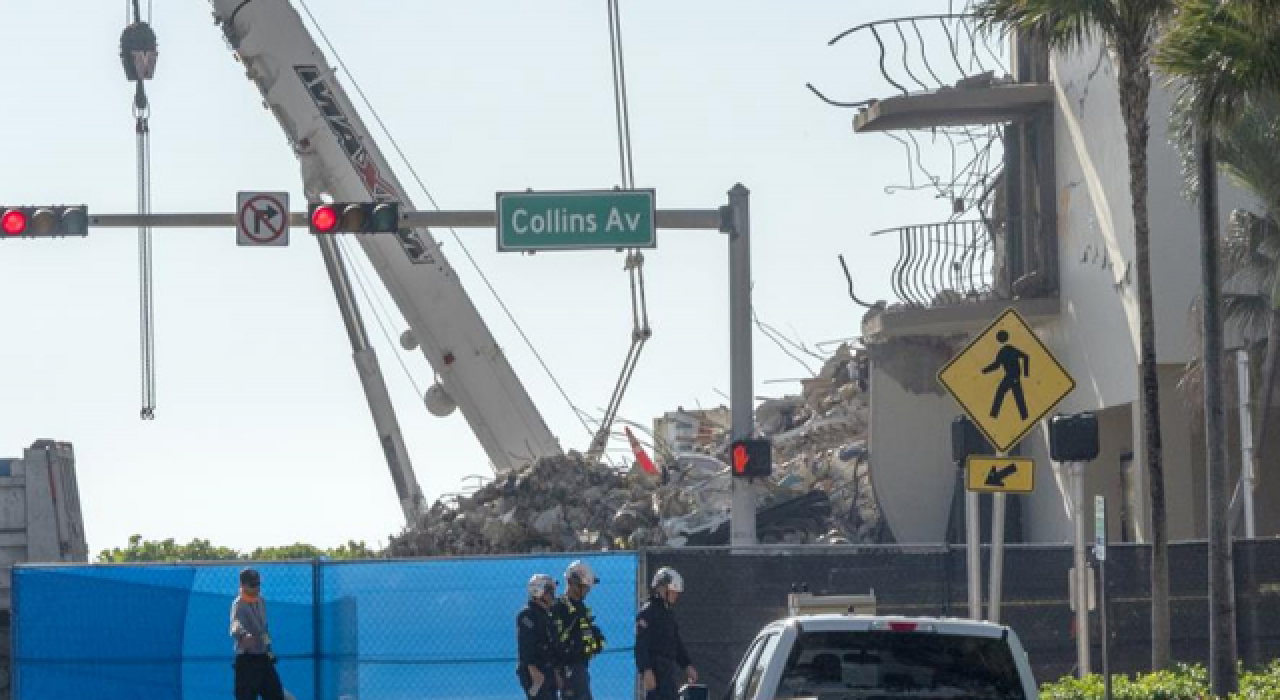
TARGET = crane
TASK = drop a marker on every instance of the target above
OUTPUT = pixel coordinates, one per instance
(339, 159)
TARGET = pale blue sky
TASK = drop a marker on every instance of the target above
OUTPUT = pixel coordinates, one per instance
(262, 434)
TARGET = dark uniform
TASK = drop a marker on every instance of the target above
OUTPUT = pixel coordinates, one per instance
(660, 649)
(578, 640)
(536, 642)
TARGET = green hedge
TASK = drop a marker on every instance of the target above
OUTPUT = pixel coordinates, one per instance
(1183, 682)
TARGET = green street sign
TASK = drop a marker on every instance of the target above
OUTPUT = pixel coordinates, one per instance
(581, 220)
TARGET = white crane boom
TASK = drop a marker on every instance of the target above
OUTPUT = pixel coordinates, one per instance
(339, 158)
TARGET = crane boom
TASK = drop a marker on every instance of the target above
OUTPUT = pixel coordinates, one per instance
(338, 157)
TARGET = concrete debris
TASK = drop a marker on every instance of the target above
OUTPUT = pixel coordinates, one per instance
(820, 491)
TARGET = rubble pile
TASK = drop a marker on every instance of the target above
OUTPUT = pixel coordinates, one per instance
(819, 493)
(552, 505)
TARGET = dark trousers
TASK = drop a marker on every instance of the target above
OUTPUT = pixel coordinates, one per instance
(577, 683)
(668, 674)
(256, 678)
(548, 689)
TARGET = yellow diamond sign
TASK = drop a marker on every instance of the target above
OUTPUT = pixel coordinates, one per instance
(1006, 380)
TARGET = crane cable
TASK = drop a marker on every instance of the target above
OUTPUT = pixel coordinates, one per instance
(138, 54)
(431, 198)
(634, 265)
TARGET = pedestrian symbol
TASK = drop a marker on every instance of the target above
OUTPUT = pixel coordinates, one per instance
(1006, 380)
(1016, 365)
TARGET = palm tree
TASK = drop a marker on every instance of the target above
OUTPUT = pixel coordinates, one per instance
(1129, 29)
(1224, 51)
(1248, 148)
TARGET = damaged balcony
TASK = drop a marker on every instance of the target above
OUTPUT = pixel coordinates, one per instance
(957, 81)
(953, 276)
(975, 119)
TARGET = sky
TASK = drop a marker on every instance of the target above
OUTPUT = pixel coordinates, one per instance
(262, 435)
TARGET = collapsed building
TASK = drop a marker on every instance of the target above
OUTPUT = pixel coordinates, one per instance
(820, 491)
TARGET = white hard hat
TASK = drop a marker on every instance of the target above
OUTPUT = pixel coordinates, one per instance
(670, 578)
(581, 572)
(541, 583)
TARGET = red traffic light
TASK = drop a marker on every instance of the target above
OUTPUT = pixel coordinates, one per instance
(14, 222)
(324, 219)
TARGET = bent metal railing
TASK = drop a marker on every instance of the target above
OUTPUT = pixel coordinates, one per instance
(963, 53)
(948, 263)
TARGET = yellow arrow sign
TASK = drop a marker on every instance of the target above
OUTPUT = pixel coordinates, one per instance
(1000, 474)
(1006, 380)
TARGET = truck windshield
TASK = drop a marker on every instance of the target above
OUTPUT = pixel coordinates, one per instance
(831, 665)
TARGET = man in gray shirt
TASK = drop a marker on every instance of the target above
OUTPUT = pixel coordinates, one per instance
(255, 668)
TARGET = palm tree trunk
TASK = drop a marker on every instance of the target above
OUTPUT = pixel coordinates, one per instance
(1135, 93)
(1222, 619)
(1268, 383)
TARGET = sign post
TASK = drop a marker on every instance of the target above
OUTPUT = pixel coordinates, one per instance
(1006, 380)
(1100, 553)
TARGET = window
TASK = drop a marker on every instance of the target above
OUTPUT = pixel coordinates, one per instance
(743, 674)
(841, 663)
(762, 663)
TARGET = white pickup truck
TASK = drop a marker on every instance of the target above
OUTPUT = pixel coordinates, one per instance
(876, 657)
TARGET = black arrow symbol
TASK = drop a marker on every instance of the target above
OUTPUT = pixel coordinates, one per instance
(263, 215)
(996, 477)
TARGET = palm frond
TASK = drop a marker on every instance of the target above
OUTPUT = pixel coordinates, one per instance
(1060, 24)
(1223, 51)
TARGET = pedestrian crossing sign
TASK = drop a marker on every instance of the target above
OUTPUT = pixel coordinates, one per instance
(1006, 380)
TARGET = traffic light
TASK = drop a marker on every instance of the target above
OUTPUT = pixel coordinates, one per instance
(43, 222)
(355, 217)
(751, 458)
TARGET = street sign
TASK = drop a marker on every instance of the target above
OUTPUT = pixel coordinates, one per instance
(262, 218)
(1000, 474)
(1006, 380)
(583, 220)
(1100, 528)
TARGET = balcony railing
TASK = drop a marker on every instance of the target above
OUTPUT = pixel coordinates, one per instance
(961, 55)
(949, 263)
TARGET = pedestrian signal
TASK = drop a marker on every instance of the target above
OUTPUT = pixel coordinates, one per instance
(1074, 438)
(751, 458)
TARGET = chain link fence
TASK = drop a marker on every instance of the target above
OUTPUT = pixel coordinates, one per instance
(445, 628)
(349, 630)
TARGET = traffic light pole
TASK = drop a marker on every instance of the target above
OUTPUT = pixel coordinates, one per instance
(732, 219)
(690, 219)
(742, 513)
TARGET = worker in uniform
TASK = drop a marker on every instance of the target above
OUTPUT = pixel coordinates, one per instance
(661, 658)
(536, 640)
(255, 665)
(578, 638)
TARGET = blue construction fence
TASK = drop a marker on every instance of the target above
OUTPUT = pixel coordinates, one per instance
(342, 630)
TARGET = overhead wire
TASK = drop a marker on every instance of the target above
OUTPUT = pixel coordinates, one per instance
(641, 331)
(431, 198)
(345, 251)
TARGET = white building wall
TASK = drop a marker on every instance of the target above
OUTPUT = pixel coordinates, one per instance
(1097, 335)
(911, 469)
